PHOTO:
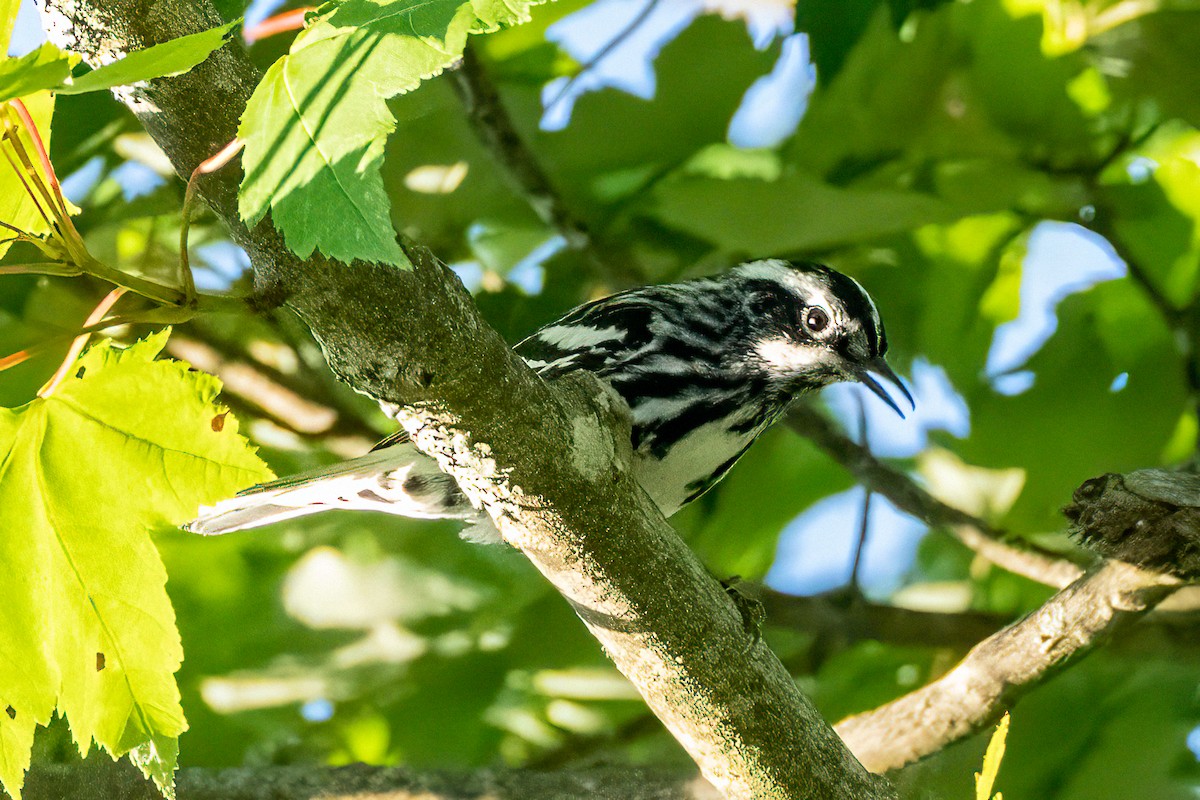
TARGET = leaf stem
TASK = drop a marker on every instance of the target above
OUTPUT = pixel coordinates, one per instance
(56, 268)
(98, 313)
(280, 23)
(12, 162)
(206, 167)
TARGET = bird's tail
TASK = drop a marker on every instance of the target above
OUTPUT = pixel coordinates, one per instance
(397, 480)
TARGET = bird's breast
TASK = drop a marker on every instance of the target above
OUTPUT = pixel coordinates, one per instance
(692, 464)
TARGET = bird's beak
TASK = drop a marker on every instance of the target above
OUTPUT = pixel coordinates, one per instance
(881, 368)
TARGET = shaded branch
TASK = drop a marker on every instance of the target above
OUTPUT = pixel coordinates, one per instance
(1000, 669)
(100, 779)
(855, 619)
(495, 128)
(908, 496)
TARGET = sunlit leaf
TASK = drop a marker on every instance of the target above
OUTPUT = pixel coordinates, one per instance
(173, 57)
(8, 18)
(44, 68)
(125, 446)
(985, 780)
(17, 207)
(316, 125)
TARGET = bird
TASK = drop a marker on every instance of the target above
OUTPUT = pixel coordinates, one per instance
(705, 367)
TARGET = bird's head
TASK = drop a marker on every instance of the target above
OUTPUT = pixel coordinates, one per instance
(811, 326)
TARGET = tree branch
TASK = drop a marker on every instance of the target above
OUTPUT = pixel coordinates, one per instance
(101, 779)
(495, 128)
(1084, 614)
(1000, 669)
(548, 464)
(853, 619)
(908, 496)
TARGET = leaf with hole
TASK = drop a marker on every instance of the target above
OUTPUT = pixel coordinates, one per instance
(124, 447)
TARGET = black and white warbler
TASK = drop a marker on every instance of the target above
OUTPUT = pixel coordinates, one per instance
(705, 366)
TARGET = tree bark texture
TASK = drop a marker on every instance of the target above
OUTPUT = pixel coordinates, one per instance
(1004, 666)
(549, 464)
(101, 779)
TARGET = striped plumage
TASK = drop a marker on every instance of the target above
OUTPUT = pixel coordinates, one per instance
(705, 366)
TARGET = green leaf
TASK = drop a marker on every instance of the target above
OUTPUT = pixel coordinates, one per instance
(50, 68)
(173, 57)
(316, 125)
(945, 89)
(125, 446)
(17, 208)
(985, 780)
(833, 28)
(8, 18)
(44, 68)
(1071, 425)
(1154, 56)
(806, 213)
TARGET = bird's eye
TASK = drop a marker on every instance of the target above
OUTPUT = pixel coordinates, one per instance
(816, 319)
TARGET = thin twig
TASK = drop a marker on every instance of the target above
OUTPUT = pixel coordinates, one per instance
(9, 155)
(905, 494)
(56, 268)
(280, 23)
(206, 167)
(604, 52)
(495, 127)
(989, 679)
(35, 136)
(865, 520)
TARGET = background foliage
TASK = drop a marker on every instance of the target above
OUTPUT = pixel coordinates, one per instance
(974, 164)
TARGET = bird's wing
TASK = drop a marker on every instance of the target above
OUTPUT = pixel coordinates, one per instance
(595, 337)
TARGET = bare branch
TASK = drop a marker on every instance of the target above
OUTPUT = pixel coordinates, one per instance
(495, 128)
(908, 496)
(855, 619)
(997, 671)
